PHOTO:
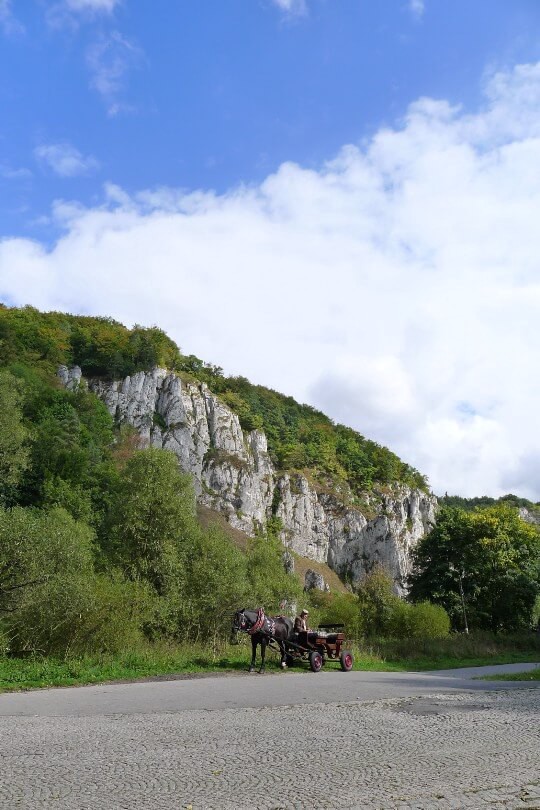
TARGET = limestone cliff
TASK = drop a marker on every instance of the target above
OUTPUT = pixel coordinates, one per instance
(233, 474)
(531, 515)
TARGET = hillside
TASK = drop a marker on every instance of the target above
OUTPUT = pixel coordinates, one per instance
(299, 437)
(254, 456)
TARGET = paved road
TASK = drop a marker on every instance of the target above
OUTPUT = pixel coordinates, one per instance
(355, 740)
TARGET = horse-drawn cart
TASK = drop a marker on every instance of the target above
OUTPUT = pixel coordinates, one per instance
(276, 632)
(318, 647)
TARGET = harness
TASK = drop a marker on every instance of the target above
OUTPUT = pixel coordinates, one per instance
(263, 624)
(255, 628)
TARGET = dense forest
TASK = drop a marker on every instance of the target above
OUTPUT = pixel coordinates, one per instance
(469, 504)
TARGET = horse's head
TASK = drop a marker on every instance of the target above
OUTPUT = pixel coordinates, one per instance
(249, 621)
(239, 623)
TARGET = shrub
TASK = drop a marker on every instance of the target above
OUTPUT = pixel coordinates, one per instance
(50, 596)
(342, 608)
(377, 602)
(80, 614)
(426, 620)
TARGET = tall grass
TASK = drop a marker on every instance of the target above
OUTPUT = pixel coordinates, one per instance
(457, 649)
(155, 661)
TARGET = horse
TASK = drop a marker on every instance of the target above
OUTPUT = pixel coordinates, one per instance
(262, 630)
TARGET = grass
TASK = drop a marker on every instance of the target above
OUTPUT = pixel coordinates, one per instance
(455, 650)
(45, 671)
(382, 655)
(533, 675)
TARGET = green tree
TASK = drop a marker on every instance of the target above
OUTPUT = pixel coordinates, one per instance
(216, 586)
(482, 566)
(269, 583)
(50, 597)
(35, 547)
(377, 602)
(153, 520)
(13, 438)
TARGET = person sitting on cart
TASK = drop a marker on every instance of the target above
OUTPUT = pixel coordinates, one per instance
(300, 626)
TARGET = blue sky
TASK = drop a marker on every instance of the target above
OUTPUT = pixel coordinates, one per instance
(217, 92)
(335, 198)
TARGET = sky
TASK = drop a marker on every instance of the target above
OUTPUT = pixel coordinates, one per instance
(338, 199)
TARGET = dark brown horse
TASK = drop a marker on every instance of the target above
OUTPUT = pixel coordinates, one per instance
(262, 629)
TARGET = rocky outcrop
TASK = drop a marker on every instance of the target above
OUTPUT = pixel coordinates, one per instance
(313, 581)
(530, 515)
(288, 562)
(233, 474)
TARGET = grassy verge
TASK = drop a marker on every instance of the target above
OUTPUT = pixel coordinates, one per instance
(382, 655)
(38, 671)
(456, 650)
(533, 675)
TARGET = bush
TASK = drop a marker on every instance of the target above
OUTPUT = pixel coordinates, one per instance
(80, 615)
(37, 546)
(427, 621)
(377, 602)
(50, 596)
(342, 608)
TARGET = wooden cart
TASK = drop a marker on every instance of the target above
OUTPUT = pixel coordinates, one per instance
(319, 646)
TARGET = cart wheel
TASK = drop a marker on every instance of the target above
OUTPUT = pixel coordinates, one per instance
(346, 660)
(315, 661)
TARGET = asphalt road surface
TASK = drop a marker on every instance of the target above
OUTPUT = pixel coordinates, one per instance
(302, 740)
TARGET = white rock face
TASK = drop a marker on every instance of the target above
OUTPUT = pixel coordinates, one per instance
(528, 516)
(233, 474)
(70, 377)
(323, 528)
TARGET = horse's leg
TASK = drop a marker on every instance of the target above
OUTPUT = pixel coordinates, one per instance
(253, 653)
(263, 654)
(281, 645)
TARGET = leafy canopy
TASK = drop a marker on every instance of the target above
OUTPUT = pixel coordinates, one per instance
(482, 566)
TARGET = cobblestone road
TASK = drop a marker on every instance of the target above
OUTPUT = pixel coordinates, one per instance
(477, 750)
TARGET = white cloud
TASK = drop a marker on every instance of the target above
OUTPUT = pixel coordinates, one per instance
(91, 6)
(292, 7)
(110, 60)
(417, 7)
(72, 12)
(397, 287)
(8, 22)
(65, 160)
(9, 173)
